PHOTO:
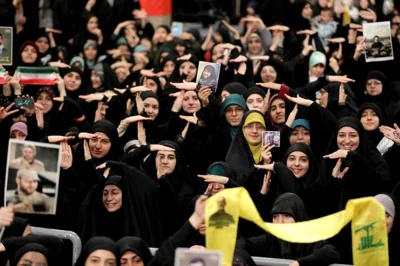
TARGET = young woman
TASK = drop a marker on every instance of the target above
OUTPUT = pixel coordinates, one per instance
(98, 250)
(208, 78)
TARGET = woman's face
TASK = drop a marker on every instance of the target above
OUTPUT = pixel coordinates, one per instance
(96, 80)
(151, 107)
(376, 39)
(122, 73)
(191, 103)
(206, 73)
(152, 85)
(278, 111)
(255, 102)
(72, 81)
(317, 70)
(394, 29)
(169, 68)
(374, 87)
(282, 218)
(253, 132)
(45, 100)
(191, 73)
(254, 46)
(224, 95)
(29, 54)
(364, 4)
(100, 145)
(43, 44)
(18, 135)
(147, 43)
(180, 49)
(166, 160)
(234, 114)
(322, 98)
(112, 198)
(389, 222)
(369, 120)
(101, 257)
(298, 163)
(268, 74)
(307, 11)
(218, 37)
(90, 52)
(348, 139)
(92, 24)
(217, 52)
(300, 135)
(33, 258)
(130, 258)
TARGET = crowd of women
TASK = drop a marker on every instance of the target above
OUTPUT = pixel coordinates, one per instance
(142, 146)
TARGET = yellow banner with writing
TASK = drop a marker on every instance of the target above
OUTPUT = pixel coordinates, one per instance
(367, 216)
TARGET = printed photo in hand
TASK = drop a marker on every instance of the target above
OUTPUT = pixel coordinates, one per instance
(32, 177)
(187, 257)
(6, 46)
(208, 75)
(378, 41)
(271, 138)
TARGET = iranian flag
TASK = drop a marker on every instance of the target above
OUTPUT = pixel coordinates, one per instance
(37, 75)
(2, 79)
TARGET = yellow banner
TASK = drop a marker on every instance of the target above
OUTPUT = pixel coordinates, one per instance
(369, 233)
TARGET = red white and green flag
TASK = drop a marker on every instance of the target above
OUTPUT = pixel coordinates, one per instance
(2, 78)
(37, 75)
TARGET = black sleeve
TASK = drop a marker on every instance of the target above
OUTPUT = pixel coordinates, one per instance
(322, 254)
(165, 255)
(255, 246)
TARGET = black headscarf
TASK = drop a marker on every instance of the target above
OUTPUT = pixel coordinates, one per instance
(235, 88)
(383, 100)
(107, 76)
(139, 210)
(375, 135)
(291, 204)
(97, 243)
(310, 177)
(254, 90)
(367, 173)
(333, 101)
(28, 248)
(111, 132)
(242, 258)
(136, 245)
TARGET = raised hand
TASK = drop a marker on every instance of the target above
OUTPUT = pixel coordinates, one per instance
(299, 100)
(158, 147)
(58, 139)
(6, 216)
(268, 167)
(292, 116)
(337, 154)
(186, 57)
(342, 95)
(266, 183)
(91, 97)
(204, 94)
(266, 154)
(66, 155)
(5, 112)
(188, 86)
(336, 173)
(135, 118)
(270, 85)
(391, 133)
(192, 119)
(239, 59)
(214, 179)
(86, 151)
(340, 79)
(139, 89)
(260, 57)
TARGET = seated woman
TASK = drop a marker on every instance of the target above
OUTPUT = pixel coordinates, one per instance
(289, 208)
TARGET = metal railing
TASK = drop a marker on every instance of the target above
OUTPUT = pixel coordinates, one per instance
(77, 247)
(69, 235)
(260, 261)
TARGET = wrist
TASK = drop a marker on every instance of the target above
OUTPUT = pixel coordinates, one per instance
(195, 221)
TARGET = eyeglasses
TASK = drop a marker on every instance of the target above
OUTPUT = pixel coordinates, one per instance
(376, 83)
(256, 126)
(30, 263)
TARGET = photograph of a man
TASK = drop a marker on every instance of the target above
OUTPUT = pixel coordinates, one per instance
(28, 159)
(6, 46)
(26, 198)
(220, 219)
(2, 48)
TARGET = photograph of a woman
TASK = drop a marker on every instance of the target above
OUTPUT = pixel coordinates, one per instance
(377, 41)
(207, 76)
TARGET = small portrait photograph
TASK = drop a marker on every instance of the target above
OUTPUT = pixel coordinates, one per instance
(176, 28)
(271, 138)
(378, 41)
(208, 75)
(32, 177)
(186, 257)
(6, 46)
